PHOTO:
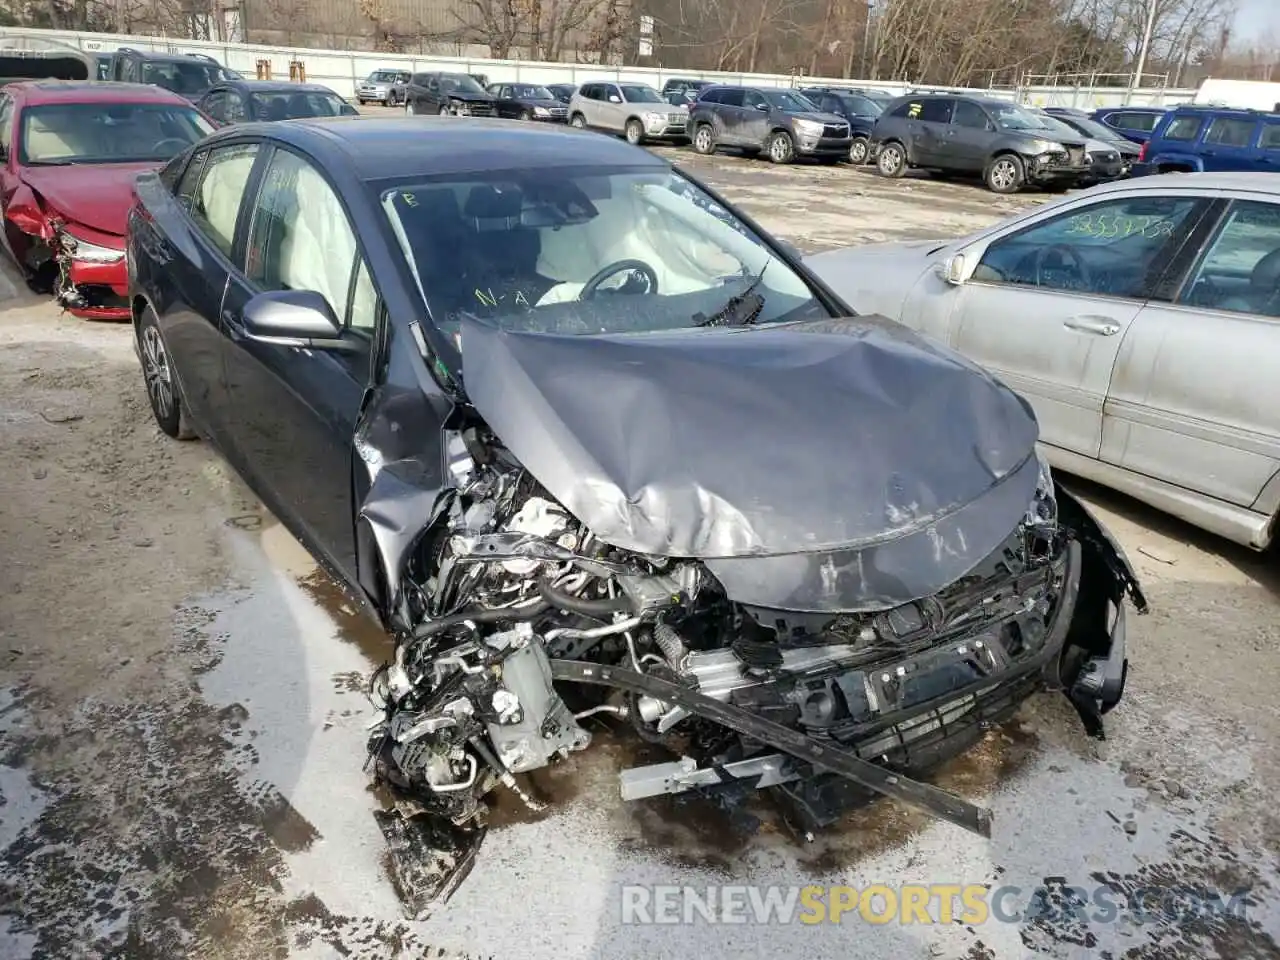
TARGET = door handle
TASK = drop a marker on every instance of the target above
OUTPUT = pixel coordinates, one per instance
(1100, 326)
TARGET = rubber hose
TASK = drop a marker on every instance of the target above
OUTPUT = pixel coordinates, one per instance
(669, 643)
(481, 615)
(596, 609)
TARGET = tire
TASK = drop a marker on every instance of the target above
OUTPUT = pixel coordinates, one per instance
(410, 108)
(634, 132)
(704, 139)
(1005, 174)
(526, 115)
(444, 111)
(157, 376)
(579, 121)
(781, 147)
(858, 151)
(891, 161)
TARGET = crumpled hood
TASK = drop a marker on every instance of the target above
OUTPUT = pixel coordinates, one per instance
(95, 194)
(796, 438)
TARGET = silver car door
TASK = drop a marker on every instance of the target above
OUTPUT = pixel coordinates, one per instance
(1195, 399)
(1047, 306)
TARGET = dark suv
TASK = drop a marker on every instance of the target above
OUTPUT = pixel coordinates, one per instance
(1007, 144)
(683, 92)
(783, 123)
(1195, 139)
(861, 108)
(189, 75)
(449, 95)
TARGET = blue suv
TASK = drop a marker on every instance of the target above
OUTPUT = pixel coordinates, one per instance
(1194, 139)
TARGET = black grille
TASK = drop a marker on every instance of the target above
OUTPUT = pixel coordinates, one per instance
(480, 109)
(837, 130)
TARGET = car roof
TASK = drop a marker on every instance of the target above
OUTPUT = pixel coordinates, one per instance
(1132, 109)
(394, 148)
(92, 91)
(1210, 108)
(162, 55)
(1207, 182)
(270, 86)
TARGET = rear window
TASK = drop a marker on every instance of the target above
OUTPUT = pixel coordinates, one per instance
(1230, 132)
(1184, 128)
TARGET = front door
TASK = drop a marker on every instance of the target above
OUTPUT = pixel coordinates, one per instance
(1048, 306)
(969, 137)
(753, 119)
(296, 408)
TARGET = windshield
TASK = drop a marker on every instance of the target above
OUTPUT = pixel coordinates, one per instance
(1091, 128)
(108, 133)
(387, 76)
(789, 102)
(529, 91)
(294, 105)
(1013, 117)
(460, 82)
(585, 251)
(183, 76)
(641, 93)
(862, 106)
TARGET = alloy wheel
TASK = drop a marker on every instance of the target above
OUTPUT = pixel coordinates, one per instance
(1004, 175)
(155, 368)
(858, 151)
(702, 139)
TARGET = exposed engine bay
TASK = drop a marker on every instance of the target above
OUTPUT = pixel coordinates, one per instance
(522, 630)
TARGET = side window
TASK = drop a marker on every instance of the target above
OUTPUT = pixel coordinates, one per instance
(611, 91)
(1230, 132)
(236, 110)
(301, 237)
(970, 115)
(186, 188)
(1270, 137)
(6, 124)
(832, 105)
(731, 97)
(1114, 248)
(1145, 122)
(216, 202)
(364, 300)
(418, 79)
(1241, 270)
(711, 96)
(936, 111)
(753, 99)
(861, 107)
(911, 108)
(1183, 128)
(215, 105)
(171, 172)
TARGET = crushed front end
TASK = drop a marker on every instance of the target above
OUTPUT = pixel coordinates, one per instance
(92, 275)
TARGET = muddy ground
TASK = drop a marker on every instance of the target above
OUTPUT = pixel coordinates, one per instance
(182, 717)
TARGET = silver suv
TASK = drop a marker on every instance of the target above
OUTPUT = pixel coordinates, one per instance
(635, 110)
(383, 86)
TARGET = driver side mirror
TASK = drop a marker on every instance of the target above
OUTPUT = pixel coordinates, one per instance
(348, 111)
(294, 318)
(762, 106)
(614, 98)
(954, 269)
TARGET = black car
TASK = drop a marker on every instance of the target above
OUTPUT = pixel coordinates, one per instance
(860, 109)
(448, 95)
(243, 101)
(190, 75)
(1008, 145)
(527, 411)
(528, 101)
(782, 123)
(1084, 124)
(563, 92)
(683, 92)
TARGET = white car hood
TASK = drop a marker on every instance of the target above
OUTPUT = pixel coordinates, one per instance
(876, 277)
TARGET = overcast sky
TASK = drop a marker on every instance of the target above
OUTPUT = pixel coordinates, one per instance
(1257, 17)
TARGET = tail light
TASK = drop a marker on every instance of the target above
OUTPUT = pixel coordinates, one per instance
(1142, 153)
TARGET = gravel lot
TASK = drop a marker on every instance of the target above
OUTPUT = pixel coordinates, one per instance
(182, 718)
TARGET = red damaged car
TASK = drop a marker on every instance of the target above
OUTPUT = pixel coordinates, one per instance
(71, 151)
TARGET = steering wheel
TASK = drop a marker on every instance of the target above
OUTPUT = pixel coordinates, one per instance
(1066, 253)
(177, 142)
(620, 266)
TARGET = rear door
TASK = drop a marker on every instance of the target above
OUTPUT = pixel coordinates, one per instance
(727, 110)
(295, 408)
(753, 120)
(1230, 143)
(1195, 399)
(1049, 305)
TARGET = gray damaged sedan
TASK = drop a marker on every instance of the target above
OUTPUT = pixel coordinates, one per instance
(613, 456)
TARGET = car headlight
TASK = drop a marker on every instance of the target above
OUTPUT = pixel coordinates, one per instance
(655, 118)
(541, 112)
(88, 252)
(1088, 158)
(811, 128)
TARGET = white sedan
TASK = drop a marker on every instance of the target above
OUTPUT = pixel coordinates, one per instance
(1140, 319)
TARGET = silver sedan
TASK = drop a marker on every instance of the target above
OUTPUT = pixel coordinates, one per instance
(1141, 320)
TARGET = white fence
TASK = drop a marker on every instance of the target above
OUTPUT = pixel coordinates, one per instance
(341, 69)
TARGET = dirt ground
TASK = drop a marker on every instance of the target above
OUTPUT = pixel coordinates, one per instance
(181, 717)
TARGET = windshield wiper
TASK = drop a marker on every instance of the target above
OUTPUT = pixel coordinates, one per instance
(740, 310)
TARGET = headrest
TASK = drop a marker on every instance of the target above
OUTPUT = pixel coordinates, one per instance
(1266, 273)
